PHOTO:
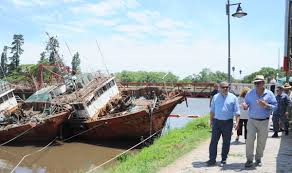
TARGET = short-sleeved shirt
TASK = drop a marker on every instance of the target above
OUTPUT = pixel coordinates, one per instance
(225, 107)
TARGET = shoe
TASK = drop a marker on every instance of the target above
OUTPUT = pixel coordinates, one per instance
(211, 163)
(286, 133)
(281, 130)
(222, 163)
(275, 135)
(248, 164)
(258, 162)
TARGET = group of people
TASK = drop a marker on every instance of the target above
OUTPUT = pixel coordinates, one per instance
(251, 110)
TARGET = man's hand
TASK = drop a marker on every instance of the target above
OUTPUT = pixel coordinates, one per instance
(286, 113)
(236, 126)
(244, 106)
(211, 124)
(263, 103)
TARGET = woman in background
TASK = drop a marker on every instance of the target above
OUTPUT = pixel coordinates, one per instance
(243, 114)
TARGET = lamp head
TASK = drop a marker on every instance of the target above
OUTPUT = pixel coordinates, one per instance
(239, 13)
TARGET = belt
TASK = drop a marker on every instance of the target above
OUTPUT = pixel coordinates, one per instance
(260, 119)
(223, 120)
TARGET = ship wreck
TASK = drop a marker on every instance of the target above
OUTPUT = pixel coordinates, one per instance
(102, 111)
(33, 120)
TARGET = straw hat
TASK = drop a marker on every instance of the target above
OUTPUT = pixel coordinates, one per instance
(287, 86)
(259, 78)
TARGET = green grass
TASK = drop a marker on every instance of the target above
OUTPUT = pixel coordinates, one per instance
(166, 149)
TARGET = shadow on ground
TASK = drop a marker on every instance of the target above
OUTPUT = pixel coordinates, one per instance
(284, 157)
(237, 167)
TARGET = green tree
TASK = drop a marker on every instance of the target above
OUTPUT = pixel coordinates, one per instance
(16, 51)
(143, 76)
(43, 58)
(188, 79)
(76, 63)
(125, 76)
(52, 50)
(206, 75)
(4, 66)
(268, 72)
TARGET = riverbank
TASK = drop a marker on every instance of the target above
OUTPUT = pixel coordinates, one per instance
(166, 149)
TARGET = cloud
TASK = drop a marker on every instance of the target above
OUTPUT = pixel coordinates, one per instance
(30, 3)
(125, 53)
(105, 8)
(144, 17)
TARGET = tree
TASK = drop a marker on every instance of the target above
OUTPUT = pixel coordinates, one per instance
(266, 71)
(43, 59)
(16, 51)
(76, 63)
(188, 79)
(4, 66)
(52, 50)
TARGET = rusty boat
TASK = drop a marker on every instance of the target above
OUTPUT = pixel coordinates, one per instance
(34, 120)
(102, 111)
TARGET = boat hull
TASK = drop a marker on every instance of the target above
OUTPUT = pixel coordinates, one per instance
(45, 131)
(130, 126)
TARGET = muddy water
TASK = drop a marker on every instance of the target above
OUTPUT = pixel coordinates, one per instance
(77, 156)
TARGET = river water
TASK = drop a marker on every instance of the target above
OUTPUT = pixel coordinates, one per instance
(77, 156)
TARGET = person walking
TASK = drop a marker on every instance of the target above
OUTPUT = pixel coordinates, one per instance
(287, 90)
(243, 114)
(224, 107)
(214, 92)
(260, 103)
(281, 113)
(273, 83)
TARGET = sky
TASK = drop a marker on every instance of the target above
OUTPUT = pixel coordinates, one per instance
(178, 36)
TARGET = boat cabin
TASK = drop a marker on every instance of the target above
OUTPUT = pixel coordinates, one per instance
(90, 105)
(8, 101)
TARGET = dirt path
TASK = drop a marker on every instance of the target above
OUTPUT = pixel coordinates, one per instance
(277, 158)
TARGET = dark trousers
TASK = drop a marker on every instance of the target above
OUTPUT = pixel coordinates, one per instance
(242, 122)
(224, 128)
(283, 119)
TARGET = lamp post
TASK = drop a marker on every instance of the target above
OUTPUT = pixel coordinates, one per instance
(239, 13)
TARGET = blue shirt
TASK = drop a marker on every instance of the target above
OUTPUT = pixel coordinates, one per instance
(257, 111)
(225, 107)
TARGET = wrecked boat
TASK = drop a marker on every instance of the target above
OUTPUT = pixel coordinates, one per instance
(101, 111)
(36, 119)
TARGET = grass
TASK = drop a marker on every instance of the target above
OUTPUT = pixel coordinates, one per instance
(166, 149)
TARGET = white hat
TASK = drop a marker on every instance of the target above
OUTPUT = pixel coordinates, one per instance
(259, 78)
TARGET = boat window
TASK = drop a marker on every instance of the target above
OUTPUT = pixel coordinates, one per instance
(10, 95)
(97, 93)
(101, 91)
(5, 97)
(104, 88)
(1, 100)
(89, 103)
(93, 99)
(112, 83)
(79, 106)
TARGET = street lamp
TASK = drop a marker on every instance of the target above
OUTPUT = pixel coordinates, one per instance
(239, 13)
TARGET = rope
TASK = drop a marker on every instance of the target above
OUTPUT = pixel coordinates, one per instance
(123, 152)
(83, 132)
(16, 136)
(32, 154)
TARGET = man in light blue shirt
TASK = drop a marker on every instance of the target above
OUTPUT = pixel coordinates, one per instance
(260, 102)
(224, 107)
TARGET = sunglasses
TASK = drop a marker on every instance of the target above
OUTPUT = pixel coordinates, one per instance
(225, 87)
(258, 83)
